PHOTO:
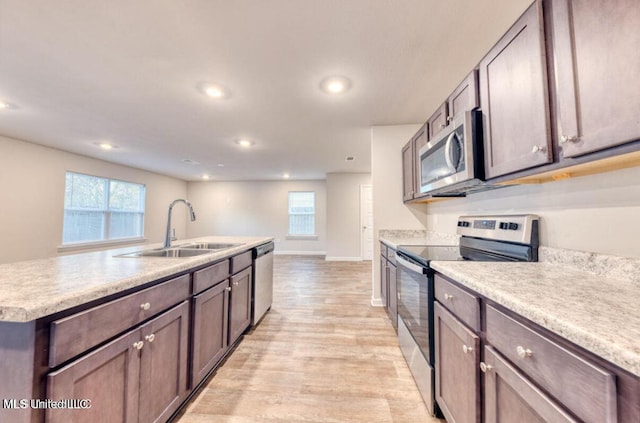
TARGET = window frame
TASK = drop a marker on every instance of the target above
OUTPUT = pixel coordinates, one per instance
(106, 212)
(312, 236)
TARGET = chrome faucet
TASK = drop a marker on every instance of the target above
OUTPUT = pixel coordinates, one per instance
(167, 237)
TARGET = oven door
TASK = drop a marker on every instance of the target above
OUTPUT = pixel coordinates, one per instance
(448, 159)
(415, 304)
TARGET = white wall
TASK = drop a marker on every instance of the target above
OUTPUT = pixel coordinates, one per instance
(344, 234)
(255, 208)
(596, 213)
(386, 174)
(32, 182)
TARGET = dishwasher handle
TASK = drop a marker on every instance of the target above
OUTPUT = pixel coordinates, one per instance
(263, 249)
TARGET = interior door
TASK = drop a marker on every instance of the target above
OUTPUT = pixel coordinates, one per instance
(366, 213)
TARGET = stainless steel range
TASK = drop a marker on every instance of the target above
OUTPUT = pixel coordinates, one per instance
(483, 238)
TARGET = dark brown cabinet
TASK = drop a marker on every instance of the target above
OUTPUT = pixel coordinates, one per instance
(210, 330)
(514, 98)
(384, 281)
(464, 97)
(511, 397)
(438, 121)
(408, 171)
(388, 283)
(392, 309)
(139, 377)
(596, 73)
(457, 358)
(239, 304)
(419, 140)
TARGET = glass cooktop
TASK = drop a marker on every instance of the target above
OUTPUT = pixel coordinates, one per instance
(423, 254)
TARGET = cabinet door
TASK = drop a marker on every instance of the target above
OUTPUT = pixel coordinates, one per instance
(408, 172)
(393, 295)
(210, 323)
(240, 304)
(384, 282)
(438, 120)
(163, 364)
(419, 141)
(514, 98)
(464, 97)
(457, 372)
(108, 377)
(510, 397)
(596, 46)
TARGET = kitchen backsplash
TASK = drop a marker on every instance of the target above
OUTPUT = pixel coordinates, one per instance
(623, 268)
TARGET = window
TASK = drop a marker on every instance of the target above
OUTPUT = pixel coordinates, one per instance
(99, 209)
(302, 213)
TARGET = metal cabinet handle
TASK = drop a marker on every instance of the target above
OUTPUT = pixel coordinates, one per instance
(538, 149)
(228, 288)
(449, 119)
(485, 367)
(442, 126)
(448, 297)
(235, 284)
(523, 352)
(151, 337)
(138, 345)
(466, 349)
(145, 306)
(568, 138)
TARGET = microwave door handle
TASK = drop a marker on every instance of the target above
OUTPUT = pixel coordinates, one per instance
(447, 153)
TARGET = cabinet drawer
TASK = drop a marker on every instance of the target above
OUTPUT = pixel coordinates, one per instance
(584, 388)
(208, 277)
(241, 261)
(463, 304)
(74, 334)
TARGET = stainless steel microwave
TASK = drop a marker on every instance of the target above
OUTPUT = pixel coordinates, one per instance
(451, 164)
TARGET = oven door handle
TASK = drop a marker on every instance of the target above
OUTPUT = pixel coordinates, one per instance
(413, 267)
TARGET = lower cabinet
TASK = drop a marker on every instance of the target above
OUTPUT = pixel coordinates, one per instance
(210, 330)
(457, 357)
(139, 377)
(511, 397)
(239, 304)
(392, 309)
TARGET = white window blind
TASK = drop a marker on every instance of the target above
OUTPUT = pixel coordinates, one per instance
(302, 213)
(100, 209)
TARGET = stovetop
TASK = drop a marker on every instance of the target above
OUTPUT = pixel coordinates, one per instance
(423, 254)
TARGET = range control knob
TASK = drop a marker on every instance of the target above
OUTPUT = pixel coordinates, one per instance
(513, 226)
(466, 224)
(460, 223)
(503, 225)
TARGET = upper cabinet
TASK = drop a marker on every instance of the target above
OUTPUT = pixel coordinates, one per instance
(514, 98)
(408, 172)
(438, 121)
(596, 45)
(464, 97)
(420, 139)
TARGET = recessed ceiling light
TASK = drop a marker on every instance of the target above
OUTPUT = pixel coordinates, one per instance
(335, 84)
(6, 106)
(286, 176)
(220, 164)
(244, 143)
(216, 91)
(107, 146)
(206, 177)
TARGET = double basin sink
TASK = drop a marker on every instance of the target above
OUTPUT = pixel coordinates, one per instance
(186, 250)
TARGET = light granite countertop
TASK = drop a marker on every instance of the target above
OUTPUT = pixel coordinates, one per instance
(597, 313)
(395, 238)
(37, 288)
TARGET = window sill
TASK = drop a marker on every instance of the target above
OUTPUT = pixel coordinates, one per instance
(99, 244)
(301, 237)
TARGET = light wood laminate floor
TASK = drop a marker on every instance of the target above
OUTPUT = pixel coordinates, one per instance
(322, 354)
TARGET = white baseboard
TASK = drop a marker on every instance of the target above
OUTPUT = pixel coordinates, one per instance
(300, 253)
(376, 302)
(334, 258)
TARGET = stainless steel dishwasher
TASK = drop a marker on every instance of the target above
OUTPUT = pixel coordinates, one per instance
(262, 281)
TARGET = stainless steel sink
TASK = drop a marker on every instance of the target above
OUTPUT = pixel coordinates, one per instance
(170, 252)
(209, 245)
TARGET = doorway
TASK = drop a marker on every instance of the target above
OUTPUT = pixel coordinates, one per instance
(366, 221)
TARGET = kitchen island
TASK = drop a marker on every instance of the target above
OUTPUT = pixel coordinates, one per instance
(63, 319)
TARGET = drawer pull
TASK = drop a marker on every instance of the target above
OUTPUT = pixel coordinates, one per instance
(145, 306)
(523, 352)
(485, 367)
(466, 349)
(138, 345)
(448, 297)
(151, 337)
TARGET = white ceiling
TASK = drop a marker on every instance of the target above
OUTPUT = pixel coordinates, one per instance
(86, 71)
